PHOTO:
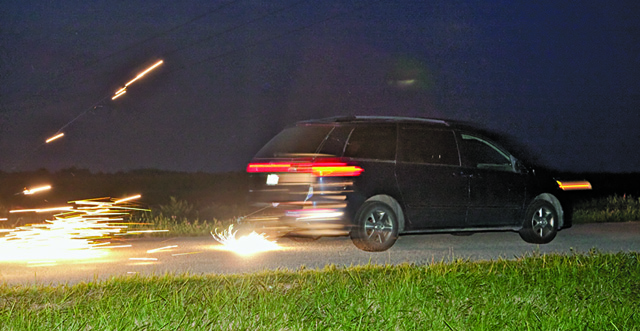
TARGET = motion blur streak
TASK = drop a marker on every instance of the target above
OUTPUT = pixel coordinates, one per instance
(144, 73)
(59, 135)
(123, 90)
(118, 94)
(574, 186)
(246, 245)
(155, 250)
(77, 234)
(37, 189)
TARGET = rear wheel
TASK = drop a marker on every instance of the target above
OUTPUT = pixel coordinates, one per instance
(375, 228)
(540, 223)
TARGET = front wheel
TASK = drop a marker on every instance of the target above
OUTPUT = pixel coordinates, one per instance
(375, 227)
(540, 223)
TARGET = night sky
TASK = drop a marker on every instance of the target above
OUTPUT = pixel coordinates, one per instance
(562, 77)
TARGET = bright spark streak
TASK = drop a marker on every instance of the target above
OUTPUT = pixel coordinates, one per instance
(144, 73)
(189, 253)
(118, 94)
(36, 190)
(155, 250)
(246, 245)
(75, 234)
(127, 199)
(143, 259)
(45, 210)
(59, 135)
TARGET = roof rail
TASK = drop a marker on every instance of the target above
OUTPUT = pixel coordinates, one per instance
(352, 118)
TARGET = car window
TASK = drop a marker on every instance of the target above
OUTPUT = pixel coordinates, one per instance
(295, 140)
(480, 153)
(335, 142)
(372, 142)
(424, 145)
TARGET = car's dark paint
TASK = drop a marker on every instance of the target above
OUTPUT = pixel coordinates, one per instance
(470, 184)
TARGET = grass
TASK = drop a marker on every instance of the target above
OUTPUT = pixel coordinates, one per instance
(610, 209)
(592, 291)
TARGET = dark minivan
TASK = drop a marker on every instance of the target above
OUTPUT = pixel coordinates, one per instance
(374, 178)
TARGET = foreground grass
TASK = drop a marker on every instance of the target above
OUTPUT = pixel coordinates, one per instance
(586, 292)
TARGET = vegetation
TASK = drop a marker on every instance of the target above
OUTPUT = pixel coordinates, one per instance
(610, 209)
(550, 292)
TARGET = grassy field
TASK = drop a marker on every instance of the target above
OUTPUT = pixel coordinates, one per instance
(578, 292)
(614, 208)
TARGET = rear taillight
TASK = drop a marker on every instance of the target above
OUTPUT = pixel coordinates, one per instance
(321, 169)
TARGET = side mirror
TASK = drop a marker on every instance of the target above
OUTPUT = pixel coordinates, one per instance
(519, 166)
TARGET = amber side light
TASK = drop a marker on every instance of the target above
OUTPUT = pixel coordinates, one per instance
(574, 185)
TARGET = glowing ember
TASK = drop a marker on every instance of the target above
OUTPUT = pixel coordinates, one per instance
(83, 231)
(246, 245)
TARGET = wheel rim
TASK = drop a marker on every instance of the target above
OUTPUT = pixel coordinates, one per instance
(378, 226)
(543, 222)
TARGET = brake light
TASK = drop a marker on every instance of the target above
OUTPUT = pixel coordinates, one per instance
(320, 169)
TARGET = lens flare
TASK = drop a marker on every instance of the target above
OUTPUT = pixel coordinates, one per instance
(83, 231)
(250, 244)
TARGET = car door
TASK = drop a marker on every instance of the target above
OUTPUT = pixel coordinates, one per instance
(434, 192)
(496, 190)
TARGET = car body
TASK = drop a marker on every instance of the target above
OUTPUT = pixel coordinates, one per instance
(375, 178)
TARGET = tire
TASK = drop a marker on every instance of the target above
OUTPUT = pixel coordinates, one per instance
(375, 228)
(540, 223)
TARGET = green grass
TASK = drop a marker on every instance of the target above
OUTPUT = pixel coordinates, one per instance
(554, 292)
(610, 209)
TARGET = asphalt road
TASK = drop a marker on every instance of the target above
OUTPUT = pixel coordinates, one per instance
(201, 255)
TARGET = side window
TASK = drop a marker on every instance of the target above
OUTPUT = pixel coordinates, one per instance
(423, 145)
(372, 142)
(479, 153)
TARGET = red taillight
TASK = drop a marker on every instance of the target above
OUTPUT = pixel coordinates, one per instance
(321, 169)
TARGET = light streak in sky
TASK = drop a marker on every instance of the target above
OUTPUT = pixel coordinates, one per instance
(123, 90)
(246, 245)
(83, 231)
(144, 73)
(58, 136)
(36, 189)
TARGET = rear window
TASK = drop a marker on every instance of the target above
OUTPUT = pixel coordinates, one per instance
(295, 140)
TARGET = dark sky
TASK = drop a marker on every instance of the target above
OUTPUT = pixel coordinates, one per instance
(562, 77)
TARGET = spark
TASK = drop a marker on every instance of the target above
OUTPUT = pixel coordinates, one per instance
(127, 199)
(143, 259)
(79, 233)
(123, 90)
(246, 245)
(36, 190)
(40, 210)
(144, 73)
(155, 250)
(59, 135)
(118, 94)
(189, 253)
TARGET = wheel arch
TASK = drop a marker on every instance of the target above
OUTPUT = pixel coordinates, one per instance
(550, 198)
(393, 203)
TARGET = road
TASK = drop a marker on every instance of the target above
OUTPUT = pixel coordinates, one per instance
(201, 255)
